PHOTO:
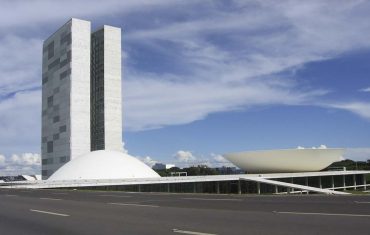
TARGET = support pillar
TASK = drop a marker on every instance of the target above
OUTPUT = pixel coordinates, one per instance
(218, 187)
(139, 188)
(239, 188)
(320, 183)
(168, 188)
(194, 187)
(354, 182)
(344, 182)
(276, 189)
(364, 181)
(306, 181)
(332, 182)
(258, 188)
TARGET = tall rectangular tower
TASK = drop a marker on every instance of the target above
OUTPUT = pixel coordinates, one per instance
(81, 93)
(65, 95)
(106, 100)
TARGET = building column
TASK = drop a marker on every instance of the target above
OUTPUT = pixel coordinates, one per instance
(364, 181)
(332, 182)
(194, 187)
(139, 188)
(354, 182)
(218, 187)
(344, 182)
(168, 188)
(239, 188)
(320, 183)
(258, 188)
(276, 189)
(306, 181)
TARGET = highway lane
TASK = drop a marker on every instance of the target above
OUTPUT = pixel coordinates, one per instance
(106, 212)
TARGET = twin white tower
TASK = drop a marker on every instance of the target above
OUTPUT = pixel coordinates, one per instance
(81, 93)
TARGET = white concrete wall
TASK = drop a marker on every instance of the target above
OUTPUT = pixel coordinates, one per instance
(112, 88)
(80, 88)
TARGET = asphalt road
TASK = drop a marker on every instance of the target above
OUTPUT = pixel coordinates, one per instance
(103, 212)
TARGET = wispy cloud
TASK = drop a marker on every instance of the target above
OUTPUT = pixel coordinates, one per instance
(365, 89)
(219, 56)
(360, 108)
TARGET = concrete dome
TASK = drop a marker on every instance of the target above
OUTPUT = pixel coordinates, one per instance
(285, 160)
(103, 164)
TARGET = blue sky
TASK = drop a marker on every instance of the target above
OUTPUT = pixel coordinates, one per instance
(202, 78)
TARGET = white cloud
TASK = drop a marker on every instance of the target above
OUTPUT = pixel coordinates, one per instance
(357, 154)
(365, 89)
(147, 160)
(219, 161)
(259, 40)
(20, 164)
(360, 108)
(184, 156)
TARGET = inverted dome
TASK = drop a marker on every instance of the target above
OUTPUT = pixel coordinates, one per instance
(103, 164)
(285, 160)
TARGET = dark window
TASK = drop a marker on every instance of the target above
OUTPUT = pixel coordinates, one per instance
(50, 147)
(56, 90)
(44, 172)
(63, 128)
(63, 159)
(53, 64)
(50, 50)
(50, 161)
(65, 74)
(65, 38)
(50, 101)
(44, 161)
(56, 119)
(55, 136)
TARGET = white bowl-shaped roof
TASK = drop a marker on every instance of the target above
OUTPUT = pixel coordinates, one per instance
(285, 160)
(103, 164)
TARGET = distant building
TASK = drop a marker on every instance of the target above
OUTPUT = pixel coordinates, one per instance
(81, 93)
(161, 166)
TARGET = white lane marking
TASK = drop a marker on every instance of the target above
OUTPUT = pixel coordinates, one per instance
(211, 199)
(315, 213)
(362, 202)
(131, 204)
(107, 195)
(11, 195)
(191, 232)
(48, 198)
(48, 212)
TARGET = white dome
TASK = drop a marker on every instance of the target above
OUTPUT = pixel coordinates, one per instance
(103, 164)
(285, 160)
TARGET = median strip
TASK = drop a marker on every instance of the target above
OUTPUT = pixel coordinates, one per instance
(190, 232)
(317, 213)
(49, 213)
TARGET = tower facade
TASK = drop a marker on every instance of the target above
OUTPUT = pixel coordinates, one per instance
(81, 93)
(106, 100)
